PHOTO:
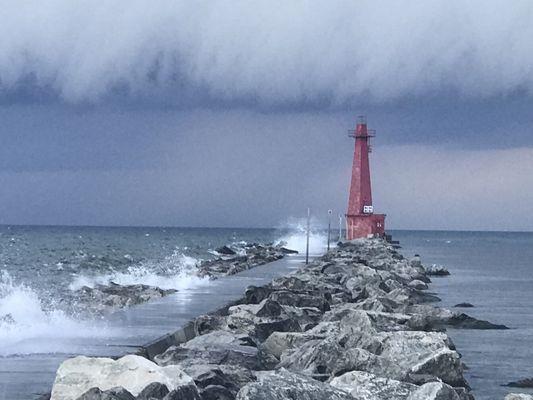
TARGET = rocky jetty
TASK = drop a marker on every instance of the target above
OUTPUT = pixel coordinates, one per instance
(103, 299)
(235, 260)
(357, 323)
(106, 298)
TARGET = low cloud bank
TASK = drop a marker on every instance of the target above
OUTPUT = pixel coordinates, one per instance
(298, 52)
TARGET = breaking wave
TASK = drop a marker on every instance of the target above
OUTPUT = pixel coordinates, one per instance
(23, 319)
(176, 271)
(295, 237)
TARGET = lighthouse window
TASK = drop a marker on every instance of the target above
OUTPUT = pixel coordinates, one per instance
(368, 209)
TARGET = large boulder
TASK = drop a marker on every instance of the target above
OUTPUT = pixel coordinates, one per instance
(284, 385)
(76, 376)
(434, 391)
(218, 381)
(110, 297)
(518, 396)
(217, 347)
(111, 394)
(422, 353)
(367, 386)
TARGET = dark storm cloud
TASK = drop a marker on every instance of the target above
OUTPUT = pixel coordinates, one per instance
(234, 113)
(266, 53)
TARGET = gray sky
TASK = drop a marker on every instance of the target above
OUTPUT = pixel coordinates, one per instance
(235, 113)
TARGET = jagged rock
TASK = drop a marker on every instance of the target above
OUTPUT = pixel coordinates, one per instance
(418, 285)
(463, 321)
(107, 298)
(278, 342)
(216, 392)
(284, 385)
(521, 383)
(434, 391)
(185, 392)
(422, 353)
(464, 305)
(77, 375)
(117, 393)
(256, 294)
(367, 386)
(217, 382)
(518, 396)
(288, 298)
(325, 358)
(463, 393)
(285, 250)
(226, 251)
(437, 271)
(264, 329)
(218, 347)
(429, 318)
(155, 390)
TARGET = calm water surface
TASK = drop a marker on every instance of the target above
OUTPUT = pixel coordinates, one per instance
(493, 271)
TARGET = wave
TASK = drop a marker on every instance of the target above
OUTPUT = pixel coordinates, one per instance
(176, 271)
(296, 237)
(23, 319)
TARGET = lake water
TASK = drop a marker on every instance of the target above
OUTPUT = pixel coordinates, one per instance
(494, 271)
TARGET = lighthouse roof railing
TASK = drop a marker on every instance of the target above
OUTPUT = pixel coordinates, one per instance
(370, 133)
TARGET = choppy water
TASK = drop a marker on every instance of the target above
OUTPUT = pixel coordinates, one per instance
(40, 264)
(493, 271)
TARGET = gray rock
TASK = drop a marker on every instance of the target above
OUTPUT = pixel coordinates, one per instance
(216, 392)
(117, 393)
(217, 347)
(103, 299)
(226, 251)
(284, 385)
(521, 383)
(367, 386)
(434, 391)
(518, 396)
(422, 353)
(187, 392)
(77, 375)
(464, 305)
(155, 390)
(418, 285)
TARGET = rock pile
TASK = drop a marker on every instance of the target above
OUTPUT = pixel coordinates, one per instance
(356, 323)
(106, 298)
(237, 260)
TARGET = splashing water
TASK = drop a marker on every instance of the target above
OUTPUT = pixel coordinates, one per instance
(176, 271)
(23, 318)
(296, 237)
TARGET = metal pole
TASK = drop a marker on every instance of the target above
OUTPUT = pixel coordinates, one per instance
(340, 227)
(329, 227)
(308, 228)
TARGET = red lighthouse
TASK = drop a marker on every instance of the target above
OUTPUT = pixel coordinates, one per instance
(360, 218)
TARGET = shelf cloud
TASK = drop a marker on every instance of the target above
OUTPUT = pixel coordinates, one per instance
(266, 53)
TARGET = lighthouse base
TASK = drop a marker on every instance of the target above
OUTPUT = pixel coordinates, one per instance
(363, 225)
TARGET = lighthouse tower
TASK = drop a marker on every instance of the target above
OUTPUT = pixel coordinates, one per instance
(360, 218)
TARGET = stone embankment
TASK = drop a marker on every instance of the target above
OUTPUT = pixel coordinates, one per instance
(357, 323)
(106, 298)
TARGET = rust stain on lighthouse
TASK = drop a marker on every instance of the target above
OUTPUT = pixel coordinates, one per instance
(360, 218)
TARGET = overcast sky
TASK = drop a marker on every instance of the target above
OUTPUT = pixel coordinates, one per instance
(235, 113)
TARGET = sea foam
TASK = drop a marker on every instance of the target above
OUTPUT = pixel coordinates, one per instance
(27, 327)
(176, 271)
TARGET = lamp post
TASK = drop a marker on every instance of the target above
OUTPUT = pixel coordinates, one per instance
(329, 226)
(307, 240)
(340, 227)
